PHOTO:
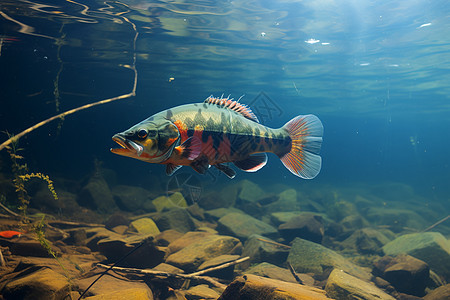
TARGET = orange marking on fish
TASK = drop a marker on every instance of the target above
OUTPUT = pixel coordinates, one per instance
(182, 128)
(10, 234)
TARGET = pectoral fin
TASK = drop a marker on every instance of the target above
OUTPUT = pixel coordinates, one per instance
(190, 149)
(171, 168)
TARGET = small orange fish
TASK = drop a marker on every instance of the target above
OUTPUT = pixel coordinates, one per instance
(10, 234)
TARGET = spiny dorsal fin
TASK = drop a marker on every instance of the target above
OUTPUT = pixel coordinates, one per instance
(233, 105)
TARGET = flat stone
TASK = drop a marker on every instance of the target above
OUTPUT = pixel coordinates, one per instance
(271, 271)
(193, 255)
(187, 239)
(163, 267)
(308, 227)
(109, 287)
(97, 196)
(343, 286)
(250, 191)
(144, 226)
(397, 219)
(175, 218)
(116, 248)
(167, 236)
(42, 284)
(287, 201)
(366, 241)
(407, 274)
(309, 257)
(128, 294)
(279, 218)
(431, 247)
(201, 291)
(130, 198)
(176, 200)
(216, 214)
(441, 293)
(260, 251)
(255, 287)
(243, 226)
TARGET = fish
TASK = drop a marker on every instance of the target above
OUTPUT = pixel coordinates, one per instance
(10, 234)
(219, 132)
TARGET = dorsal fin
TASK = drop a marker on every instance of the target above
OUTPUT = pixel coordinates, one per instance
(233, 105)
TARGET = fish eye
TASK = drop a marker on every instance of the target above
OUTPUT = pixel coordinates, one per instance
(142, 133)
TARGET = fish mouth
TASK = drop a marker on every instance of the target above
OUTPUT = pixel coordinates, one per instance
(129, 148)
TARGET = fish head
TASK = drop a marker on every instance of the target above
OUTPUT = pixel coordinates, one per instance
(151, 141)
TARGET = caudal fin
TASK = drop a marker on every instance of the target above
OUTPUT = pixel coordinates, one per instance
(306, 134)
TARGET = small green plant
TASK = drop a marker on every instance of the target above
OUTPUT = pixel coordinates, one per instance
(47, 245)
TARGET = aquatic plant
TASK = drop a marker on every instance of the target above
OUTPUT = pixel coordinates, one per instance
(47, 245)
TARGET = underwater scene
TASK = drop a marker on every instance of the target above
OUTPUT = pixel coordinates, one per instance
(245, 149)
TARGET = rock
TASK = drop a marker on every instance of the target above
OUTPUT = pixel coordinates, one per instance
(121, 229)
(260, 251)
(309, 257)
(96, 195)
(287, 201)
(216, 214)
(341, 209)
(144, 226)
(95, 234)
(110, 287)
(242, 226)
(115, 249)
(431, 247)
(187, 239)
(353, 222)
(219, 199)
(250, 192)
(407, 274)
(176, 200)
(252, 287)
(343, 286)
(79, 237)
(196, 211)
(201, 291)
(225, 273)
(308, 227)
(130, 198)
(367, 241)
(279, 218)
(116, 219)
(42, 284)
(166, 237)
(27, 246)
(441, 293)
(176, 218)
(163, 267)
(128, 294)
(397, 219)
(271, 271)
(193, 255)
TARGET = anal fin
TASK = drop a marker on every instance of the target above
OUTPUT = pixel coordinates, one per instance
(226, 170)
(200, 165)
(252, 163)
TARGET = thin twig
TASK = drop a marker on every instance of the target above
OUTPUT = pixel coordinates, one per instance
(2, 260)
(231, 263)
(294, 274)
(437, 223)
(71, 111)
(274, 243)
(9, 211)
(204, 279)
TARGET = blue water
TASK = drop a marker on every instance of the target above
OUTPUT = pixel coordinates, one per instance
(377, 73)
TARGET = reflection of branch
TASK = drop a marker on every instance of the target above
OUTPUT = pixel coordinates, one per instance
(69, 112)
(24, 28)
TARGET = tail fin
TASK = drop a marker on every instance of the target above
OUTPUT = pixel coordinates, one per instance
(306, 134)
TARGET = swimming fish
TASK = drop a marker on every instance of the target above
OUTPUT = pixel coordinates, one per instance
(220, 131)
(10, 234)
